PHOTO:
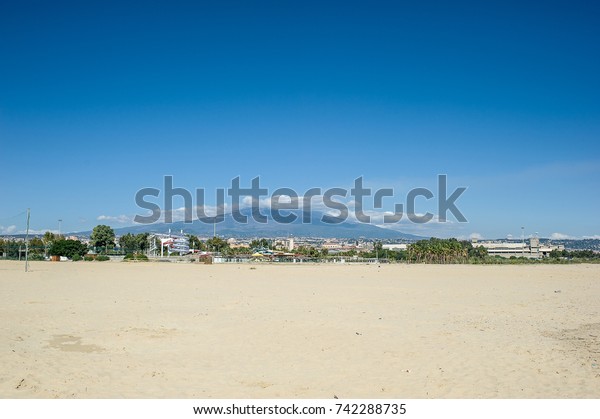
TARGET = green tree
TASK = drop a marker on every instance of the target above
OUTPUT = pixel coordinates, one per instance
(36, 246)
(478, 252)
(399, 255)
(437, 250)
(216, 244)
(142, 241)
(260, 243)
(48, 238)
(378, 249)
(68, 248)
(128, 242)
(134, 243)
(196, 243)
(102, 236)
(555, 254)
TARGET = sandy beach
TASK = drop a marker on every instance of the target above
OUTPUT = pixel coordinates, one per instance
(166, 330)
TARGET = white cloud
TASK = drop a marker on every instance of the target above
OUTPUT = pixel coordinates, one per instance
(40, 232)
(246, 201)
(561, 236)
(121, 219)
(475, 236)
(179, 214)
(8, 230)
(12, 229)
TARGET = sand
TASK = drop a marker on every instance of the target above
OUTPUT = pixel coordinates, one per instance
(166, 330)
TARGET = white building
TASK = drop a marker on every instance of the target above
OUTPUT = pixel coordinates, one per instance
(395, 246)
(533, 250)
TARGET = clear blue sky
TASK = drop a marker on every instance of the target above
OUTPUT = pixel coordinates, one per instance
(100, 99)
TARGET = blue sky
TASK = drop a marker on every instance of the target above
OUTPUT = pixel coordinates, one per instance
(98, 100)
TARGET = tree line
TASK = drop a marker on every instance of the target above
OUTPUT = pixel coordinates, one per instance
(103, 240)
(51, 244)
(574, 254)
(444, 251)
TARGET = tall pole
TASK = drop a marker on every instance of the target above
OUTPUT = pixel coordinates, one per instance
(27, 243)
(523, 241)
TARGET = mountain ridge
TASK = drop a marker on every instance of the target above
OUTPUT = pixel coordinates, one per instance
(232, 228)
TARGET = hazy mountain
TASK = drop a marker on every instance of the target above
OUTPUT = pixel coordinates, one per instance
(231, 228)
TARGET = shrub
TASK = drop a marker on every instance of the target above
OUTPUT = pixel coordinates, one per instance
(68, 248)
(76, 257)
(88, 258)
(136, 256)
(102, 258)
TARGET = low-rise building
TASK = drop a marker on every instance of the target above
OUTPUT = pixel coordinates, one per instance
(532, 250)
(395, 246)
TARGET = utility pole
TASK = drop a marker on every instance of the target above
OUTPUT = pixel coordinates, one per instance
(27, 243)
(523, 241)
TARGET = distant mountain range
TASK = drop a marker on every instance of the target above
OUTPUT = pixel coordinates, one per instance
(317, 229)
(231, 228)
